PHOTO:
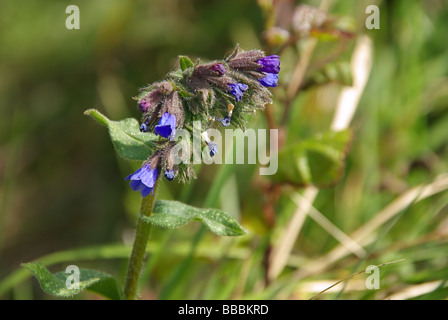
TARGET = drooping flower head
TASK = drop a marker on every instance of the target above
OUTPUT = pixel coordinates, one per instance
(221, 90)
(166, 126)
(144, 179)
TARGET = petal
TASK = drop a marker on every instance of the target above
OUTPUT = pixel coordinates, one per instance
(269, 64)
(243, 87)
(135, 175)
(150, 177)
(163, 130)
(166, 126)
(136, 185)
(164, 119)
(237, 90)
(146, 191)
(270, 80)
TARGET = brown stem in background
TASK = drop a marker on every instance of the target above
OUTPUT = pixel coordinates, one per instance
(300, 70)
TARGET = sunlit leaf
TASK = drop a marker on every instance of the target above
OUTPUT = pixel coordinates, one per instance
(173, 214)
(126, 137)
(57, 284)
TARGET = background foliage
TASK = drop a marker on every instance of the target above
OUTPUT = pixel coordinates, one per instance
(62, 184)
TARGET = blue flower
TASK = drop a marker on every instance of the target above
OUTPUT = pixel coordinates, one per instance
(270, 80)
(144, 180)
(144, 127)
(213, 147)
(269, 64)
(167, 126)
(169, 175)
(237, 90)
(226, 121)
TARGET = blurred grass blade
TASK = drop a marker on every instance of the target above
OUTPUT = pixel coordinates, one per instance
(353, 275)
(55, 284)
(126, 137)
(339, 235)
(364, 234)
(174, 214)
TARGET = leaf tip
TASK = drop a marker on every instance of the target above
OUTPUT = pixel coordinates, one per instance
(98, 116)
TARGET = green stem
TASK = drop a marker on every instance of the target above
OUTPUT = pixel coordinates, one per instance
(138, 250)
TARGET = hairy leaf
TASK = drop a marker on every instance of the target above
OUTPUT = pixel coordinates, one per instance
(126, 137)
(57, 284)
(173, 214)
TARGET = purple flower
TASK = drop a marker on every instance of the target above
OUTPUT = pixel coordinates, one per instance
(237, 90)
(144, 180)
(152, 99)
(269, 64)
(169, 175)
(167, 126)
(219, 67)
(270, 80)
(144, 105)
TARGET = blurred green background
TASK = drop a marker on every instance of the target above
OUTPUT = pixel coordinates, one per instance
(62, 185)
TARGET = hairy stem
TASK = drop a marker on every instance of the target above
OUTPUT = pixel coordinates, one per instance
(138, 250)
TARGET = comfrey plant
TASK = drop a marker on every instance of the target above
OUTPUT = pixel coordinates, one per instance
(213, 93)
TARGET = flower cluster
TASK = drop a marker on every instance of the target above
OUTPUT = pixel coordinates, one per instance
(215, 92)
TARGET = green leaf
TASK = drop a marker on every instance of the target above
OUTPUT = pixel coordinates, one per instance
(95, 281)
(174, 214)
(126, 137)
(185, 63)
(317, 161)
